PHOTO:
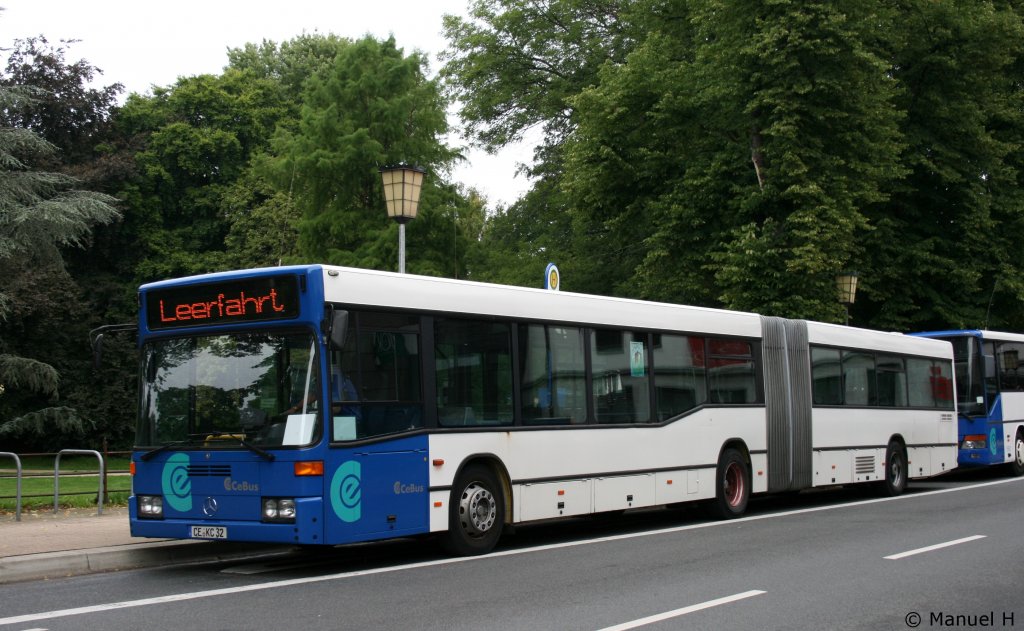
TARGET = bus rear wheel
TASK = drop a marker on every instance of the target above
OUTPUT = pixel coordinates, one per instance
(732, 485)
(1017, 464)
(895, 469)
(476, 512)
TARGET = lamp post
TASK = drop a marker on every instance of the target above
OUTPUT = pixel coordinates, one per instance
(846, 283)
(402, 184)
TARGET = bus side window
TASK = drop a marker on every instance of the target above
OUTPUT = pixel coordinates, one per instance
(375, 380)
(1008, 363)
(859, 378)
(731, 371)
(552, 375)
(620, 377)
(679, 375)
(473, 372)
(826, 375)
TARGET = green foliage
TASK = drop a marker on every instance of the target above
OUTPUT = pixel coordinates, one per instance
(944, 248)
(49, 427)
(42, 213)
(516, 63)
(741, 156)
(64, 111)
(373, 107)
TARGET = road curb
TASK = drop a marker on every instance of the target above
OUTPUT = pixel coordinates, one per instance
(51, 565)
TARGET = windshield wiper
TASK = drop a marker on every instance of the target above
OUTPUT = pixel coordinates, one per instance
(269, 457)
(164, 447)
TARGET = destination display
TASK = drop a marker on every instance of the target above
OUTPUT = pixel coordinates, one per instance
(249, 300)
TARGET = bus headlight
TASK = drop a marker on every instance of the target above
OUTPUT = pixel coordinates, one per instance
(974, 441)
(279, 509)
(150, 506)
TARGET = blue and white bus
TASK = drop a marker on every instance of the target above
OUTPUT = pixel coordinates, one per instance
(990, 396)
(326, 405)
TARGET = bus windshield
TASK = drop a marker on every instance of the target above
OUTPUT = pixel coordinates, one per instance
(241, 389)
(969, 387)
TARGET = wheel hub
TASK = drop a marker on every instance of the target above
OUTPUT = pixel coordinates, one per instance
(733, 484)
(477, 510)
(896, 470)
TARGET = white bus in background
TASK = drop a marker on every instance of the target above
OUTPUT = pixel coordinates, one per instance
(439, 406)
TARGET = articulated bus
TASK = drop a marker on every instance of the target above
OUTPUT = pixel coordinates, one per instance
(990, 396)
(326, 405)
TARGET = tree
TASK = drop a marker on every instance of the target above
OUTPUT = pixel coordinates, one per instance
(197, 141)
(751, 141)
(944, 251)
(65, 111)
(40, 212)
(742, 156)
(372, 107)
(516, 64)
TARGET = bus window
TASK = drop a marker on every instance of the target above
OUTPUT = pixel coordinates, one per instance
(891, 381)
(827, 379)
(859, 378)
(621, 390)
(990, 371)
(375, 379)
(260, 387)
(731, 371)
(679, 375)
(1010, 364)
(552, 374)
(474, 372)
(930, 383)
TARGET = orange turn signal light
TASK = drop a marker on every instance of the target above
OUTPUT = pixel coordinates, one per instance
(309, 468)
(131, 468)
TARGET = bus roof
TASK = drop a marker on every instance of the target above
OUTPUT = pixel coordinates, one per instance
(998, 336)
(427, 293)
(389, 290)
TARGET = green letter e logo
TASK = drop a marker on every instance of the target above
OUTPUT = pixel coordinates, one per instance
(346, 492)
(176, 485)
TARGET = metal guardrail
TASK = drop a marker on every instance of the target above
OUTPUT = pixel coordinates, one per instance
(17, 502)
(56, 475)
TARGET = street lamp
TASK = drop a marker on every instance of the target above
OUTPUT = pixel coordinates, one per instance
(402, 184)
(846, 283)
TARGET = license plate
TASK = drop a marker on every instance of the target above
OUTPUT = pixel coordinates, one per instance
(209, 532)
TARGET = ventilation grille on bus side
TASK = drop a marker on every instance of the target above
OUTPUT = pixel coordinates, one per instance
(209, 470)
(865, 465)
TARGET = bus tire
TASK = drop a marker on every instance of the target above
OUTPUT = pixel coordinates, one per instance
(476, 512)
(1017, 464)
(895, 469)
(732, 484)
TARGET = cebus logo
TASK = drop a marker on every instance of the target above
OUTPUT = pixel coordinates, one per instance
(176, 484)
(347, 492)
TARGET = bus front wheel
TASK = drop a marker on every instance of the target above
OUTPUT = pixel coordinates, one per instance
(1017, 464)
(732, 485)
(476, 512)
(895, 469)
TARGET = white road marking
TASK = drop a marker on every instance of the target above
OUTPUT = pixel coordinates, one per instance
(675, 613)
(937, 546)
(77, 611)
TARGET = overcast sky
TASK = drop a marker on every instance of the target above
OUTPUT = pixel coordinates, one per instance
(141, 43)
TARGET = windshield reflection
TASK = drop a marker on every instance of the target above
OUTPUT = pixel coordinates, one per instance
(218, 390)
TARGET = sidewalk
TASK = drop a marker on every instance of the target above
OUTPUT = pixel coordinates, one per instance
(80, 541)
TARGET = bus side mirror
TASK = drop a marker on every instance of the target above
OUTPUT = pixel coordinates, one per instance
(339, 329)
(96, 339)
(990, 366)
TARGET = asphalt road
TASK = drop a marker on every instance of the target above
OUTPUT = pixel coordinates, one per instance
(948, 555)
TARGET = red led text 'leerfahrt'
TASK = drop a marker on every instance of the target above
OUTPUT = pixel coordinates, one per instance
(222, 307)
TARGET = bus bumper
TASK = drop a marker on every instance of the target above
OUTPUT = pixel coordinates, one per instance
(307, 528)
